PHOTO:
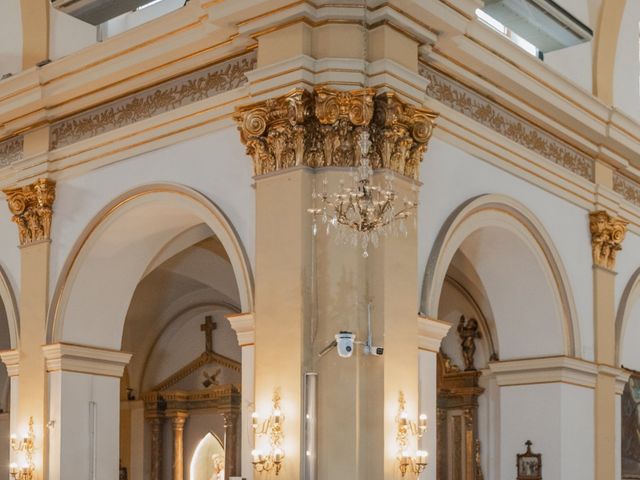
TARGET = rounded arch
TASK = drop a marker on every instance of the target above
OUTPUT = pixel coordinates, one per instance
(176, 321)
(628, 301)
(506, 214)
(115, 250)
(8, 300)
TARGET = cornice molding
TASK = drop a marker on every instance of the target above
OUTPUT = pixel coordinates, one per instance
(545, 370)
(82, 359)
(11, 359)
(244, 325)
(431, 332)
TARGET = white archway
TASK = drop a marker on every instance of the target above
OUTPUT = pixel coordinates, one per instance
(8, 300)
(500, 222)
(114, 251)
(627, 331)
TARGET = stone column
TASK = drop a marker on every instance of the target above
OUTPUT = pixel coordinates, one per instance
(230, 444)
(607, 234)
(178, 419)
(84, 411)
(430, 335)
(156, 421)
(244, 326)
(32, 209)
(309, 289)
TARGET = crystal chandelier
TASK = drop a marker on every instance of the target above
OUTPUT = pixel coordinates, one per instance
(364, 211)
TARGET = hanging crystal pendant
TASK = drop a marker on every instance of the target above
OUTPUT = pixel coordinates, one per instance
(364, 208)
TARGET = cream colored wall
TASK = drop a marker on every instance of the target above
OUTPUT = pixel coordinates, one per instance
(452, 177)
(11, 38)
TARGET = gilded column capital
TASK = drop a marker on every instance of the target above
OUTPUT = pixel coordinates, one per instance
(322, 128)
(607, 234)
(32, 209)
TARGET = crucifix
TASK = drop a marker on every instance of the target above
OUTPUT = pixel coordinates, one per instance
(208, 327)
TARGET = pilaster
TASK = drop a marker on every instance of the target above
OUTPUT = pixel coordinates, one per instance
(83, 396)
(430, 335)
(607, 235)
(32, 209)
(245, 327)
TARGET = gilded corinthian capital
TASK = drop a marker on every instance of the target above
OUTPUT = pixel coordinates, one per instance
(32, 210)
(607, 234)
(322, 129)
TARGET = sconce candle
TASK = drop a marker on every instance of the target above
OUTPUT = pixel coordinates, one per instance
(406, 428)
(271, 428)
(24, 446)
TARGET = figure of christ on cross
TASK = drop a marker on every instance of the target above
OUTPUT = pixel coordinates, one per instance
(208, 327)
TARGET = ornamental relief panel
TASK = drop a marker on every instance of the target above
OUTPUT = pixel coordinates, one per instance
(322, 129)
(11, 150)
(479, 108)
(167, 96)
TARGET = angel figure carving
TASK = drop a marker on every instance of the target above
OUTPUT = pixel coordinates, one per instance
(468, 332)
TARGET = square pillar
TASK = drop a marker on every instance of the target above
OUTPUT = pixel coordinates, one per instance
(84, 408)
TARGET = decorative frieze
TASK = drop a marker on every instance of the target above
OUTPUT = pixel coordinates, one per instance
(202, 84)
(11, 150)
(626, 187)
(322, 129)
(455, 95)
(32, 209)
(607, 234)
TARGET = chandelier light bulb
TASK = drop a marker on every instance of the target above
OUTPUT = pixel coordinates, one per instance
(364, 211)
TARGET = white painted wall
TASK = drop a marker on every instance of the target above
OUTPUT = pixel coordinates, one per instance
(214, 164)
(555, 418)
(452, 177)
(130, 20)
(67, 34)
(10, 37)
(70, 395)
(574, 63)
(626, 80)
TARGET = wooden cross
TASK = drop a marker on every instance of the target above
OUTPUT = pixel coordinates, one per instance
(208, 327)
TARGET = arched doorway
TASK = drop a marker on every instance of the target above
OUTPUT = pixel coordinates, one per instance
(496, 278)
(172, 269)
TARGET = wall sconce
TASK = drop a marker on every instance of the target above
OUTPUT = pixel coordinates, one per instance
(405, 429)
(25, 445)
(271, 428)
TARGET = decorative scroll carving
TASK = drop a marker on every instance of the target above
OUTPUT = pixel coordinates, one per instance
(487, 112)
(321, 129)
(400, 135)
(607, 234)
(11, 150)
(32, 210)
(167, 96)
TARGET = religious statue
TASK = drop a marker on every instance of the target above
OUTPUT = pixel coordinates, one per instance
(218, 467)
(208, 327)
(468, 332)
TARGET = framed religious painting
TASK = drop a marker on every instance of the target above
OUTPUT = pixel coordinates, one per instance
(631, 428)
(529, 464)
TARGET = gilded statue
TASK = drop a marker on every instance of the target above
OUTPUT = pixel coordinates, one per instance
(468, 332)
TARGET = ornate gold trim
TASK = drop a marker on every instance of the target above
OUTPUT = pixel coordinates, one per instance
(607, 234)
(32, 209)
(178, 92)
(322, 128)
(471, 104)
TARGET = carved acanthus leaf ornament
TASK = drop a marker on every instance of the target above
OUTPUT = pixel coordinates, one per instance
(32, 209)
(607, 234)
(322, 129)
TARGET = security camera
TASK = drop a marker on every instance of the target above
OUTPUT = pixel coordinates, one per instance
(345, 341)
